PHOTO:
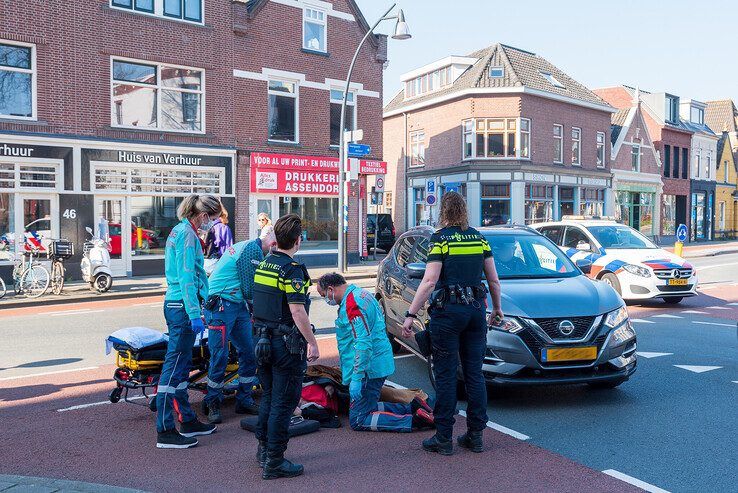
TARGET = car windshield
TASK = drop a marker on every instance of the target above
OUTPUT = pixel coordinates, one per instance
(618, 236)
(528, 256)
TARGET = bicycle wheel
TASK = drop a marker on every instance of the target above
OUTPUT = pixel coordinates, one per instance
(35, 281)
(57, 277)
(2, 287)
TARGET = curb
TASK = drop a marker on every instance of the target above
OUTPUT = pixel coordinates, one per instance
(712, 253)
(118, 296)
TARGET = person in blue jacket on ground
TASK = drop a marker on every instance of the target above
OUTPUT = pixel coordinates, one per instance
(366, 360)
(187, 287)
(229, 319)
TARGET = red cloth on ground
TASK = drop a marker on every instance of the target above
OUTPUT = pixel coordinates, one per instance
(317, 394)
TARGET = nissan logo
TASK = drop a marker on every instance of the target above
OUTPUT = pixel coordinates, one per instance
(566, 327)
(676, 274)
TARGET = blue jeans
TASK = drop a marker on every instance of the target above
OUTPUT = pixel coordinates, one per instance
(281, 380)
(368, 414)
(230, 322)
(459, 331)
(171, 393)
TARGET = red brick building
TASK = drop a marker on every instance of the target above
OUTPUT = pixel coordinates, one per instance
(116, 109)
(672, 140)
(520, 139)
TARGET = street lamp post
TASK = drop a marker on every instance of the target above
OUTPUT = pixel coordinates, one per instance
(401, 32)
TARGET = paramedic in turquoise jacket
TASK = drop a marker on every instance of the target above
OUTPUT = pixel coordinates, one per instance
(187, 287)
(232, 283)
(367, 360)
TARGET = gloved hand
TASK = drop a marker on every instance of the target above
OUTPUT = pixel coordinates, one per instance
(355, 390)
(198, 326)
(262, 351)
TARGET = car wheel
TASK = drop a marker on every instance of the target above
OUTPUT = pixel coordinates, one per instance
(612, 280)
(674, 300)
(604, 385)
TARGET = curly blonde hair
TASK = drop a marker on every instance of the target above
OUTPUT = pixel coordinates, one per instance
(453, 211)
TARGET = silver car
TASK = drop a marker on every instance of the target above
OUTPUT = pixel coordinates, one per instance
(560, 327)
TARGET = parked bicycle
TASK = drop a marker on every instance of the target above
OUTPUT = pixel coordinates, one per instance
(59, 251)
(2, 288)
(30, 277)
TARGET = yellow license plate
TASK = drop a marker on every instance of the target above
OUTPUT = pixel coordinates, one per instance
(570, 354)
(370, 235)
(677, 282)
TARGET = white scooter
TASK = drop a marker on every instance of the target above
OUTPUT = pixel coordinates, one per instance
(96, 263)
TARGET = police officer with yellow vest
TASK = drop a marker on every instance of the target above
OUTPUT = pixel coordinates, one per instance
(286, 343)
(458, 258)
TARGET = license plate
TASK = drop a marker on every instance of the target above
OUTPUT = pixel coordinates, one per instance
(677, 282)
(370, 235)
(569, 354)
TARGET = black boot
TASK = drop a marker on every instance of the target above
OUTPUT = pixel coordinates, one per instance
(471, 440)
(438, 445)
(252, 408)
(279, 467)
(172, 439)
(195, 428)
(214, 416)
(261, 454)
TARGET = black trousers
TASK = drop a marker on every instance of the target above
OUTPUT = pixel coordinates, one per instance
(281, 380)
(459, 331)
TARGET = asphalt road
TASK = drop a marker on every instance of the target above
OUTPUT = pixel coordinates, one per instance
(670, 426)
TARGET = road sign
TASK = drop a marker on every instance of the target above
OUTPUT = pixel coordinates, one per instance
(452, 186)
(430, 187)
(354, 136)
(359, 150)
(681, 232)
(430, 199)
(379, 184)
(353, 168)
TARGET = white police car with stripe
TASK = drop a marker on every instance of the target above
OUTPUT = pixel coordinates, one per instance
(624, 258)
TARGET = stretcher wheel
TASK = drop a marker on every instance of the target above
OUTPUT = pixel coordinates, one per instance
(152, 403)
(115, 394)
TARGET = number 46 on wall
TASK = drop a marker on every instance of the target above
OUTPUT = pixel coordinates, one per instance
(70, 214)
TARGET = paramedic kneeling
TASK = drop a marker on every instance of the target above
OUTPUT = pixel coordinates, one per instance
(367, 360)
(228, 318)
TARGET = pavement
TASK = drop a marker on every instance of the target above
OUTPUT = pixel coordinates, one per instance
(707, 249)
(26, 484)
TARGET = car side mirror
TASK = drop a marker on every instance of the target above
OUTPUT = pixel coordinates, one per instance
(416, 270)
(584, 246)
(88, 229)
(584, 265)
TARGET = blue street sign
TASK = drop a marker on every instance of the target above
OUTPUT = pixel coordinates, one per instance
(681, 233)
(359, 150)
(430, 187)
(452, 186)
(430, 199)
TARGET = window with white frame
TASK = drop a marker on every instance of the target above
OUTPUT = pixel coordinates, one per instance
(494, 137)
(697, 115)
(17, 81)
(417, 148)
(721, 216)
(468, 138)
(671, 109)
(186, 10)
(350, 123)
(552, 80)
(697, 164)
(576, 146)
(283, 111)
(635, 157)
(314, 30)
(148, 179)
(558, 134)
(430, 82)
(600, 149)
(496, 72)
(157, 97)
(29, 176)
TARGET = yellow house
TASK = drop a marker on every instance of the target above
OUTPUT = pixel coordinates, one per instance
(726, 192)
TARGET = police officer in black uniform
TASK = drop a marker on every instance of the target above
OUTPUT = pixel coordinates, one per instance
(286, 342)
(458, 258)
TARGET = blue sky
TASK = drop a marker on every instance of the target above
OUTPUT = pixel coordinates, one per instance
(668, 45)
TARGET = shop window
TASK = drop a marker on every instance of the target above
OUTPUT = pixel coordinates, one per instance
(576, 146)
(635, 157)
(157, 97)
(600, 149)
(566, 201)
(17, 81)
(314, 30)
(152, 219)
(283, 111)
(636, 209)
(419, 200)
(167, 181)
(495, 204)
(29, 176)
(668, 214)
(496, 138)
(186, 10)
(721, 216)
(319, 220)
(7, 226)
(538, 203)
(417, 148)
(558, 134)
(592, 202)
(350, 123)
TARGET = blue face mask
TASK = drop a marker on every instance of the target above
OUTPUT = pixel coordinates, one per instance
(332, 300)
(207, 225)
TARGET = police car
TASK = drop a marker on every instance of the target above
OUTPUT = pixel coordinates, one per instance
(623, 258)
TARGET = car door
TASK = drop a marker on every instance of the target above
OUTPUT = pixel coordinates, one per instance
(396, 279)
(420, 255)
(576, 239)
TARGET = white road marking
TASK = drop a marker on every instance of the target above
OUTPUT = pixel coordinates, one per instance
(326, 336)
(634, 481)
(500, 428)
(717, 266)
(60, 314)
(666, 315)
(647, 355)
(694, 312)
(641, 321)
(49, 373)
(714, 323)
(718, 308)
(698, 369)
(403, 356)
(92, 404)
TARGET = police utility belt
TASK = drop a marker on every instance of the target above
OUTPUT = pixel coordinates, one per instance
(457, 295)
(293, 339)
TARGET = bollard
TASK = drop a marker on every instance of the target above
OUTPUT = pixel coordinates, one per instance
(139, 237)
(678, 246)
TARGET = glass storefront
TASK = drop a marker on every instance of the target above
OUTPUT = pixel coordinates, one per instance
(152, 219)
(592, 202)
(319, 220)
(668, 214)
(420, 209)
(566, 201)
(698, 216)
(495, 204)
(7, 226)
(538, 203)
(636, 209)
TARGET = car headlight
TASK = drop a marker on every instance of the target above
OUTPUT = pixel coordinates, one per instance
(617, 317)
(622, 335)
(506, 324)
(637, 270)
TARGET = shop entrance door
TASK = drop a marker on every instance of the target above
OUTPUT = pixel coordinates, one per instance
(37, 222)
(114, 210)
